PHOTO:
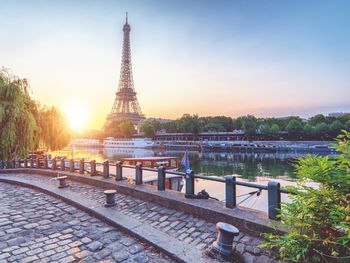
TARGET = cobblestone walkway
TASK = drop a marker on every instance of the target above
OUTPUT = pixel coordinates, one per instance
(177, 224)
(35, 227)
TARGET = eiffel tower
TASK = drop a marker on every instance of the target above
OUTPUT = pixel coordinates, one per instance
(126, 106)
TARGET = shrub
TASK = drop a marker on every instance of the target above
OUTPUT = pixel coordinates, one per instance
(318, 218)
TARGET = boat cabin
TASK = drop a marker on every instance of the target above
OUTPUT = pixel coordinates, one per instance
(173, 182)
(169, 163)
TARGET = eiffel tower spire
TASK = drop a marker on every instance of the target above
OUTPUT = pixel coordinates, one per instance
(126, 106)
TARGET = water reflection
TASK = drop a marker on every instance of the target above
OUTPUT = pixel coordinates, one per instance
(248, 166)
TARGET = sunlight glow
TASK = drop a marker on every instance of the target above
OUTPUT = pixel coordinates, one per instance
(77, 115)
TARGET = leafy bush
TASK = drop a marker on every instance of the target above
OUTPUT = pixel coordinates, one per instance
(318, 218)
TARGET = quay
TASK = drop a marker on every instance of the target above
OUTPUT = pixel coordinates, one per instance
(180, 228)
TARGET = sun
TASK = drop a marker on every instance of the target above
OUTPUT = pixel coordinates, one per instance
(77, 115)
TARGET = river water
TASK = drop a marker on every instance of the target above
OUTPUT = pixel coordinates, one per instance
(252, 167)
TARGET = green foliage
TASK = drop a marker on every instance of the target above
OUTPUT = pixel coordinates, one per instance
(17, 117)
(321, 130)
(336, 127)
(119, 129)
(294, 127)
(53, 132)
(318, 219)
(308, 130)
(249, 125)
(347, 125)
(23, 125)
(148, 129)
(275, 131)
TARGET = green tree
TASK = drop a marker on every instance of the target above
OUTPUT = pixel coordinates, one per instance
(294, 127)
(335, 127)
(309, 130)
(347, 125)
(127, 129)
(318, 219)
(319, 118)
(265, 129)
(148, 129)
(18, 126)
(321, 130)
(249, 125)
(188, 123)
(275, 131)
(53, 131)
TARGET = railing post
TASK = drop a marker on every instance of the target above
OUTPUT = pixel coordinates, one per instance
(63, 164)
(138, 174)
(230, 191)
(93, 168)
(8, 164)
(31, 162)
(37, 163)
(54, 164)
(25, 163)
(189, 184)
(106, 169)
(1, 164)
(71, 166)
(81, 166)
(46, 163)
(13, 163)
(19, 163)
(161, 178)
(118, 171)
(274, 199)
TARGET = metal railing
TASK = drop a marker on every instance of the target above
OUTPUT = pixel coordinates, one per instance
(82, 167)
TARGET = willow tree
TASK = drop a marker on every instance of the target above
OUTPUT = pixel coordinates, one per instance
(18, 127)
(53, 131)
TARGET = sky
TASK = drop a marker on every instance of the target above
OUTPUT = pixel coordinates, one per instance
(262, 57)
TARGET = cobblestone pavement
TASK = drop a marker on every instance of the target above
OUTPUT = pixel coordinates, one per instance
(185, 227)
(35, 227)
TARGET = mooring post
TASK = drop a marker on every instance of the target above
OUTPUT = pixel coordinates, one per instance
(110, 198)
(161, 178)
(138, 174)
(189, 184)
(31, 162)
(274, 199)
(54, 164)
(71, 166)
(25, 163)
(46, 163)
(81, 166)
(222, 246)
(106, 169)
(37, 163)
(230, 191)
(62, 182)
(118, 171)
(93, 168)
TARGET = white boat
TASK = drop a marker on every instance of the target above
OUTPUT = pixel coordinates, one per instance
(111, 142)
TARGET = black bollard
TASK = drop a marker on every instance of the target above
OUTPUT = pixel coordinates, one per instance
(110, 198)
(222, 246)
(62, 181)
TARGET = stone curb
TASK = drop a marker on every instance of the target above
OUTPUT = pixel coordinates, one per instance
(250, 221)
(172, 247)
